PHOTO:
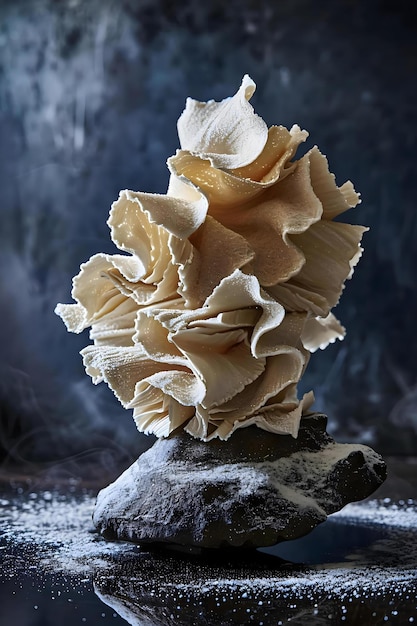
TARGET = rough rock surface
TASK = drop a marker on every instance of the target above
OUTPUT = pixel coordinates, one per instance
(256, 489)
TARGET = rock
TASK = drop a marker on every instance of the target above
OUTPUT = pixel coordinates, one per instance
(256, 489)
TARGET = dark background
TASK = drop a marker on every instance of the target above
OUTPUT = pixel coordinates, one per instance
(90, 92)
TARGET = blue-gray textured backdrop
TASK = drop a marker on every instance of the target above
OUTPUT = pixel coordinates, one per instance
(90, 92)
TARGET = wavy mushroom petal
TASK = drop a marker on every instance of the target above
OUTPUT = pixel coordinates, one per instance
(96, 296)
(132, 231)
(182, 386)
(274, 161)
(221, 187)
(165, 400)
(268, 223)
(153, 337)
(241, 291)
(241, 295)
(156, 412)
(210, 262)
(297, 298)
(335, 200)
(331, 250)
(281, 370)
(146, 293)
(319, 332)
(116, 330)
(282, 419)
(179, 216)
(222, 361)
(121, 368)
(229, 133)
(288, 333)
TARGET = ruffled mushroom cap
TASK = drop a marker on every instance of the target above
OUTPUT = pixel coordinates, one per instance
(227, 281)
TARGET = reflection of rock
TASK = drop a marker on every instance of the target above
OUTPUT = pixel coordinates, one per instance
(372, 571)
(162, 588)
(255, 489)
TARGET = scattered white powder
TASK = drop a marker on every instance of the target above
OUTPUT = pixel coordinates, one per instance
(52, 532)
(395, 515)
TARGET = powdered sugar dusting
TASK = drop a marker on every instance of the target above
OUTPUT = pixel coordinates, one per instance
(55, 531)
(373, 577)
(398, 515)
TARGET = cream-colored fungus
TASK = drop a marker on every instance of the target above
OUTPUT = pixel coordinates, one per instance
(228, 282)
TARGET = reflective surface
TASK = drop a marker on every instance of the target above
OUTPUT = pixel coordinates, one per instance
(360, 567)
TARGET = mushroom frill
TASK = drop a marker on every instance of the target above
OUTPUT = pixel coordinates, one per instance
(225, 284)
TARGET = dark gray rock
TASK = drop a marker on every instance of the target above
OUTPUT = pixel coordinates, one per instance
(256, 489)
